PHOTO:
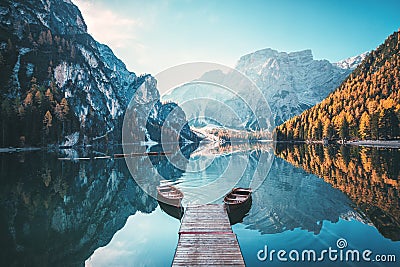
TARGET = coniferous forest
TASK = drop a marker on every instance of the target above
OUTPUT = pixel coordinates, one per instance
(38, 114)
(365, 106)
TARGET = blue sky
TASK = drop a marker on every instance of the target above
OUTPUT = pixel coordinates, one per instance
(150, 36)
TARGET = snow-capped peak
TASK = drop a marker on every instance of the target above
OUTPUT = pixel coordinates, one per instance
(351, 62)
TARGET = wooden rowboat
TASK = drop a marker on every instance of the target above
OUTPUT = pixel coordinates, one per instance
(236, 215)
(170, 195)
(237, 198)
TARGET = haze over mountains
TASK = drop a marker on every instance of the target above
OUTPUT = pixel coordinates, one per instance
(290, 82)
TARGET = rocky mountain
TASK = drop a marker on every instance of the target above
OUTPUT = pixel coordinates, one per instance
(291, 82)
(224, 97)
(57, 80)
(351, 62)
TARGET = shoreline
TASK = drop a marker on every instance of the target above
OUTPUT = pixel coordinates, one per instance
(376, 143)
(18, 149)
(366, 143)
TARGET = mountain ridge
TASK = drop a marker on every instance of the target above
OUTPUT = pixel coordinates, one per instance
(290, 82)
(351, 62)
(56, 80)
(365, 106)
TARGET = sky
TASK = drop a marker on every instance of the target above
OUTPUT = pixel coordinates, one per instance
(153, 35)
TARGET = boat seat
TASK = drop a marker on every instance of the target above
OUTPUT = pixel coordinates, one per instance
(235, 199)
(239, 195)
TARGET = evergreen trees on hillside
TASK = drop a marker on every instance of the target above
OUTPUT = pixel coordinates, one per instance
(365, 106)
(33, 111)
(42, 116)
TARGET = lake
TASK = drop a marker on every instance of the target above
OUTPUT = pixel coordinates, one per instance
(98, 211)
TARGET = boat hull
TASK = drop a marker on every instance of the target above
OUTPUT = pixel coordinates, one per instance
(237, 214)
(170, 195)
(237, 198)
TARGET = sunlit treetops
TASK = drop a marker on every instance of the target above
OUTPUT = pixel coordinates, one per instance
(365, 106)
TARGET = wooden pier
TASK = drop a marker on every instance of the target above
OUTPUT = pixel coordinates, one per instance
(206, 238)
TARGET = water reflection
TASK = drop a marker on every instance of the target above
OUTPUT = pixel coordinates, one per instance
(58, 212)
(173, 211)
(290, 198)
(368, 176)
(237, 215)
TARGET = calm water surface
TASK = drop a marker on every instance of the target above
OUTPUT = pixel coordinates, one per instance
(92, 212)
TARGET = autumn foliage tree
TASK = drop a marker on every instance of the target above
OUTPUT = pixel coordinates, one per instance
(365, 106)
(35, 107)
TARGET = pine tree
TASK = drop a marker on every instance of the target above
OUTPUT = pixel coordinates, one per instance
(38, 98)
(1, 59)
(49, 38)
(6, 111)
(47, 121)
(318, 130)
(374, 124)
(61, 110)
(344, 129)
(328, 129)
(388, 124)
(365, 126)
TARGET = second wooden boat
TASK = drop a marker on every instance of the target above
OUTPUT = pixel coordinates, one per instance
(237, 198)
(236, 215)
(169, 195)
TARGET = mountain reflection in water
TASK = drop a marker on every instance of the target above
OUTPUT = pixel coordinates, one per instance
(368, 176)
(59, 212)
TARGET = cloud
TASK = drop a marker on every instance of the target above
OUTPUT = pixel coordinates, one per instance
(107, 26)
(150, 36)
(113, 27)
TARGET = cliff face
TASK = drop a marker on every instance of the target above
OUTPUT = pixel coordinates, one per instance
(47, 56)
(291, 82)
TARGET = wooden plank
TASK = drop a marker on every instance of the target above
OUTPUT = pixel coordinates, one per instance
(206, 238)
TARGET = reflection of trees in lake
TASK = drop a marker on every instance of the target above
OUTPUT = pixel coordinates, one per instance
(289, 198)
(369, 176)
(57, 213)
